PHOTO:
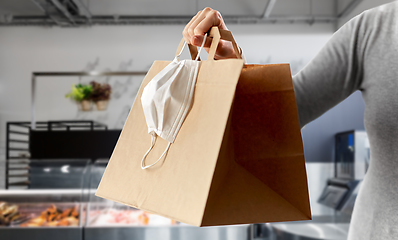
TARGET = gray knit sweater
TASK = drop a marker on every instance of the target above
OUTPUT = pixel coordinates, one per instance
(363, 55)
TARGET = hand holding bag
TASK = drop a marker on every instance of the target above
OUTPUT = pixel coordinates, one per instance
(237, 158)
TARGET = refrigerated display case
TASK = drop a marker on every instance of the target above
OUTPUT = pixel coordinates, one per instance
(53, 206)
(72, 211)
(43, 214)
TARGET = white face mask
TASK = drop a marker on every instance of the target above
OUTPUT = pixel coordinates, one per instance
(167, 98)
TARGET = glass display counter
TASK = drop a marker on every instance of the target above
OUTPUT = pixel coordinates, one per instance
(53, 206)
(61, 204)
(41, 214)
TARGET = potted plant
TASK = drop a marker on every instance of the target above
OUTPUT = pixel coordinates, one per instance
(81, 94)
(101, 94)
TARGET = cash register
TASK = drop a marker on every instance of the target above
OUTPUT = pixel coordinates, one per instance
(351, 163)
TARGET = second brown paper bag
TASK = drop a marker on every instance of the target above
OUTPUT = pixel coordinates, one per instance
(238, 157)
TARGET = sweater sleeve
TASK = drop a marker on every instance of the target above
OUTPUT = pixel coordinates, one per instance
(334, 74)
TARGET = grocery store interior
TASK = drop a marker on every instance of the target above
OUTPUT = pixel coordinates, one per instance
(55, 142)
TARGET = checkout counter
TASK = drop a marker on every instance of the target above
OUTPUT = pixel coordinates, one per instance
(351, 163)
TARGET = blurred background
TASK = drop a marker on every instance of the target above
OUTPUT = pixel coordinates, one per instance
(70, 71)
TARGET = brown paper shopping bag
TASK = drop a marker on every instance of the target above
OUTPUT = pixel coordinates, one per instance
(238, 157)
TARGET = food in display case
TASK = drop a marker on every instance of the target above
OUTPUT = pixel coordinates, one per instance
(53, 217)
(9, 214)
(131, 217)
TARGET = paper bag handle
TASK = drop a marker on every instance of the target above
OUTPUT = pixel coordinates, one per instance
(192, 49)
(216, 34)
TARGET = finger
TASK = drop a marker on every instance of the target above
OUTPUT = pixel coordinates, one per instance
(185, 33)
(212, 18)
(196, 21)
(222, 23)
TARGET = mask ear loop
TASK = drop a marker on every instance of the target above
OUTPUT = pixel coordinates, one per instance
(153, 141)
(182, 49)
(201, 47)
(153, 135)
(148, 166)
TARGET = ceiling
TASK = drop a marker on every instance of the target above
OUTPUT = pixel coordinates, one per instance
(74, 13)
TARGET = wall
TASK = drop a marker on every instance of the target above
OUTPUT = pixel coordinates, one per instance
(24, 50)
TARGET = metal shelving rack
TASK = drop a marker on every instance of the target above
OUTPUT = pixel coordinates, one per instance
(17, 145)
(17, 154)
